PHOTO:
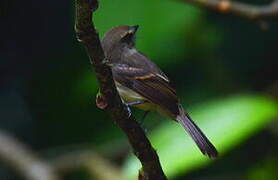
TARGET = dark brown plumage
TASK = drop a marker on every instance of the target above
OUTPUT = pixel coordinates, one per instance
(139, 79)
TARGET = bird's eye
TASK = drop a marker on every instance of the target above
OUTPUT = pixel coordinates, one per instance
(128, 37)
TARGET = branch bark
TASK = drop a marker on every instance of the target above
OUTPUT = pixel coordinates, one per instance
(251, 12)
(21, 159)
(87, 34)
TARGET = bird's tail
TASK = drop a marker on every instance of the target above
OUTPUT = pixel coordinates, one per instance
(197, 135)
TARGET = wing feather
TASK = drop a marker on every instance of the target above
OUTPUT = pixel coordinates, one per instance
(149, 85)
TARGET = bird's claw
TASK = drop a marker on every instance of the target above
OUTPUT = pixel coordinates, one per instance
(128, 109)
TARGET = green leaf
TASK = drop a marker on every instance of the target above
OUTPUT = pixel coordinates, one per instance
(227, 122)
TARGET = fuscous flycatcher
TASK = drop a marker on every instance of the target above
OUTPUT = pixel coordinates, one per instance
(142, 84)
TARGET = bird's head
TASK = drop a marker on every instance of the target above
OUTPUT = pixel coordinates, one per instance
(119, 37)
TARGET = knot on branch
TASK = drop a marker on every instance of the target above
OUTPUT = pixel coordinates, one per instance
(85, 35)
(224, 6)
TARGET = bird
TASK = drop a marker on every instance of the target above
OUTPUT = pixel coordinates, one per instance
(142, 84)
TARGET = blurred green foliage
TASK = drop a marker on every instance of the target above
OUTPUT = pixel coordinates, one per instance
(226, 121)
(49, 100)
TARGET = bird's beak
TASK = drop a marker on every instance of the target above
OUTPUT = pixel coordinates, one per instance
(133, 29)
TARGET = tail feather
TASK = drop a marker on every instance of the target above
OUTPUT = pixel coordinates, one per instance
(197, 135)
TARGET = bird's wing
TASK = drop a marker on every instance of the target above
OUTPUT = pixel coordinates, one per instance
(139, 60)
(149, 85)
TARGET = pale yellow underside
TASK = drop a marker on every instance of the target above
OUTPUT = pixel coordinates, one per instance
(129, 96)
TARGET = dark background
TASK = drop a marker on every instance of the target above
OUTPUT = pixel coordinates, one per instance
(47, 87)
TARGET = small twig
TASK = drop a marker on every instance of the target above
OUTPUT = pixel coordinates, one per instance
(86, 33)
(21, 159)
(251, 12)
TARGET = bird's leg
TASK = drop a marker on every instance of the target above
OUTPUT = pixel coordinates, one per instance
(135, 103)
(128, 105)
(143, 118)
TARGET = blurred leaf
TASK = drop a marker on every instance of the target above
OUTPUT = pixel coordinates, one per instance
(85, 86)
(264, 170)
(163, 24)
(227, 123)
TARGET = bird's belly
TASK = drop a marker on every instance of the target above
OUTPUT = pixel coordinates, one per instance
(130, 96)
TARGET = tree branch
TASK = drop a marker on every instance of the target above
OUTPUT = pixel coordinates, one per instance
(20, 158)
(86, 33)
(251, 12)
(97, 166)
